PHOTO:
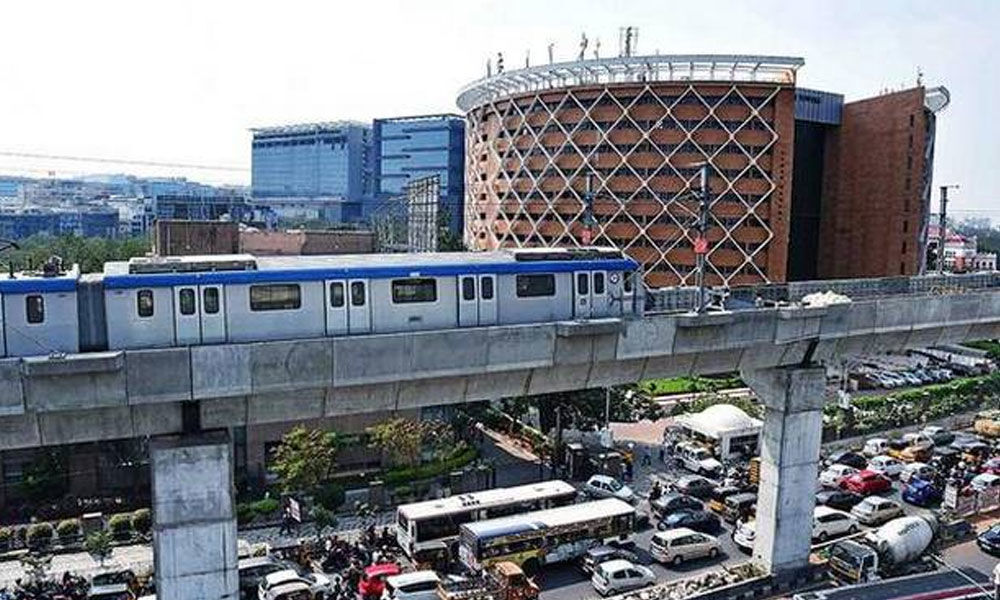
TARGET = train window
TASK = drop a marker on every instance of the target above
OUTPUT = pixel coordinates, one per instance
(627, 283)
(529, 286)
(487, 288)
(144, 303)
(357, 293)
(336, 295)
(598, 283)
(582, 284)
(408, 291)
(283, 296)
(210, 300)
(34, 306)
(468, 288)
(187, 301)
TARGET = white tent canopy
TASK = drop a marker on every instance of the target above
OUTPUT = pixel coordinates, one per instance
(721, 423)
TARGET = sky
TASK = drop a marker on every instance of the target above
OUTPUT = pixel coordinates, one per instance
(179, 81)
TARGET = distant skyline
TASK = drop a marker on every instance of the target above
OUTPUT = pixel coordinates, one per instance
(181, 82)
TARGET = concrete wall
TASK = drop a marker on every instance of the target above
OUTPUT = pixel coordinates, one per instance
(134, 393)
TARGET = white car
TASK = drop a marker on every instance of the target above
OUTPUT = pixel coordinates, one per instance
(875, 446)
(834, 474)
(697, 459)
(675, 546)
(827, 523)
(603, 486)
(874, 510)
(617, 576)
(984, 481)
(317, 582)
(418, 585)
(886, 465)
(917, 470)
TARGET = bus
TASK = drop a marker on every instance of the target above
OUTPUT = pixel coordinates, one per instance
(548, 536)
(432, 526)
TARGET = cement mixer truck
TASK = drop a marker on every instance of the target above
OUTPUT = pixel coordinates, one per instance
(892, 549)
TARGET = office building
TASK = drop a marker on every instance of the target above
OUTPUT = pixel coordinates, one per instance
(313, 170)
(412, 148)
(16, 224)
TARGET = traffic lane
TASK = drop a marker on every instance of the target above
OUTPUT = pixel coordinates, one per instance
(968, 554)
(568, 582)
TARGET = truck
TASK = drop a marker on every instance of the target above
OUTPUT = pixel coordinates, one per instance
(964, 583)
(892, 549)
(502, 581)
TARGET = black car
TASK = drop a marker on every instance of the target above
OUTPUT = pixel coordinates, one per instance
(699, 520)
(695, 485)
(602, 554)
(668, 503)
(839, 499)
(989, 541)
(846, 457)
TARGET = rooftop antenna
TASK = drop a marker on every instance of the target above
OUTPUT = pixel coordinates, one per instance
(527, 58)
(597, 48)
(499, 63)
(583, 45)
(920, 76)
(626, 38)
(489, 68)
(551, 47)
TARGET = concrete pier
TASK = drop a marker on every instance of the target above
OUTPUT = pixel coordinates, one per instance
(790, 444)
(194, 517)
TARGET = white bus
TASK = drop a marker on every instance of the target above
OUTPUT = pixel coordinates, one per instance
(548, 536)
(433, 524)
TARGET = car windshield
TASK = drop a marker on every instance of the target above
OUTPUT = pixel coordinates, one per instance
(614, 485)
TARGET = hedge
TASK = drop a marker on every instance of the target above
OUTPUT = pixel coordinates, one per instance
(461, 457)
(39, 533)
(120, 525)
(330, 496)
(142, 521)
(6, 535)
(68, 528)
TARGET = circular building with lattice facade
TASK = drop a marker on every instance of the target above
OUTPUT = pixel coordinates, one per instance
(607, 152)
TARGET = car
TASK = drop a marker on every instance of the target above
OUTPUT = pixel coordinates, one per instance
(875, 447)
(834, 474)
(919, 438)
(699, 520)
(372, 582)
(110, 591)
(739, 506)
(604, 486)
(827, 523)
(672, 501)
(694, 485)
(917, 470)
(251, 571)
(920, 492)
(416, 585)
(697, 459)
(839, 499)
(676, 546)
(989, 541)
(601, 554)
(866, 483)
(292, 590)
(985, 481)
(847, 457)
(992, 466)
(886, 465)
(319, 584)
(618, 576)
(875, 510)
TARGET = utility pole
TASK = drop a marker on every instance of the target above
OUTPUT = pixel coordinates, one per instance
(588, 211)
(701, 242)
(942, 225)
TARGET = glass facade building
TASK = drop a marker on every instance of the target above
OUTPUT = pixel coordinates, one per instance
(410, 148)
(324, 163)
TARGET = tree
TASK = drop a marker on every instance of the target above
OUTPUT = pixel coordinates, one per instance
(323, 519)
(98, 545)
(89, 252)
(305, 458)
(405, 440)
(44, 479)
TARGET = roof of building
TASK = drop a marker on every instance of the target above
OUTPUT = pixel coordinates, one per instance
(630, 69)
(299, 128)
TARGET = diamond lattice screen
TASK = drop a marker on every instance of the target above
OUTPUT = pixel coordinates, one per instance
(529, 159)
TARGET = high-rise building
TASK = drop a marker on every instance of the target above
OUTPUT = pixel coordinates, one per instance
(313, 170)
(412, 148)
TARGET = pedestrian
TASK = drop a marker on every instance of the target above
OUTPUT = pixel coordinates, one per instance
(663, 455)
(286, 518)
(628, 470)
(647, 460)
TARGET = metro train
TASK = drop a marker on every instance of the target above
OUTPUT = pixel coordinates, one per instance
(155, 302)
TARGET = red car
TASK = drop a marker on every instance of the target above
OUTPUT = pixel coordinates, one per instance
(866, 483)
(372, 582)
(992, 466)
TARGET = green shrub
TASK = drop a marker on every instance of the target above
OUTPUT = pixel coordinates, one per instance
(244, 513)
(21, 533)
(6, 535)
(265, 507)
(120, 525)
(39, 534)
(330, 496)
(462, 456)
(68, 528)
(404, 491)
(142, 521)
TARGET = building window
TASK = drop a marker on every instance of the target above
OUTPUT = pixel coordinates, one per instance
(186, 298)
(531, 286)
(487, 288)
(283, 296)
(210, 300)
(357, 293)
(468, 288)
(144, 303)
(411, 291)
(34, 306)
(904, 247)
(336, 295)
(598, 283)
(906, 224)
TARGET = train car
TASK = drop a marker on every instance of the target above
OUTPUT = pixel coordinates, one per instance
(177, 301)
(38, 312)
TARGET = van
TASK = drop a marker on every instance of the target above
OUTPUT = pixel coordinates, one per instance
(674, 546)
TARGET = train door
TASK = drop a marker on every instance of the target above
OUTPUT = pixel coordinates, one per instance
(468, 305)
(599, 296)
(487, 300)
(336, 308)
(582, 305)
(213, 314)
(359, 312)
(187, 325)
(3, 332)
